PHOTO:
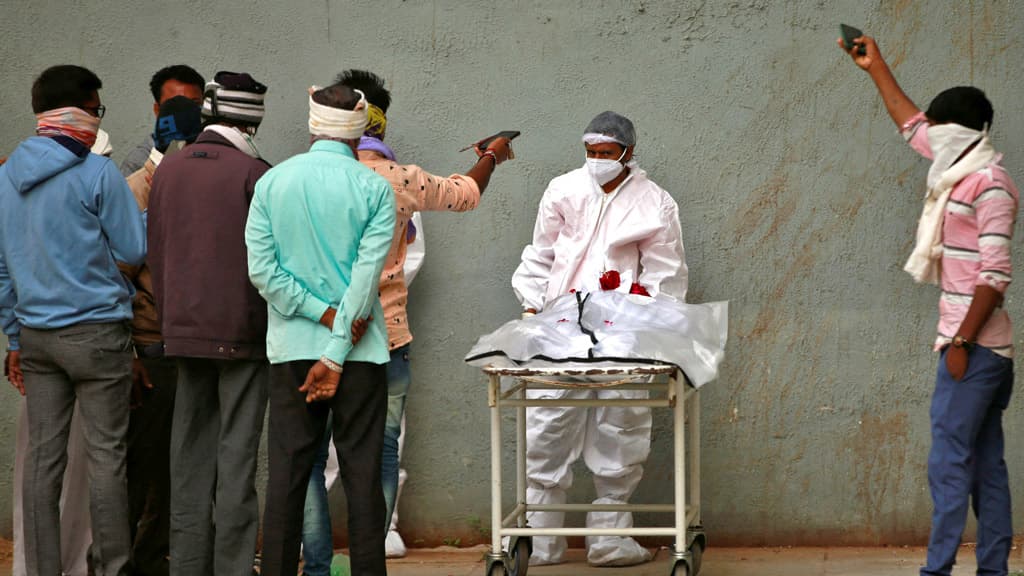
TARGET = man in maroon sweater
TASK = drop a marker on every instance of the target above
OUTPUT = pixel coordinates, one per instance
(214, 323)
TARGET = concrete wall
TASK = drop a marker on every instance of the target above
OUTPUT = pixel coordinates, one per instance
(798, 203)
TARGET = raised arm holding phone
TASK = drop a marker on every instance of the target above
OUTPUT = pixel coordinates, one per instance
(963, 244)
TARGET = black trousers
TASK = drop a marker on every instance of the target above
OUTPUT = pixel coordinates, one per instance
(359, 412)
(149, 469)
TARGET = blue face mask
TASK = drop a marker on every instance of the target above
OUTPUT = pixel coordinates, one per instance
(178, 119)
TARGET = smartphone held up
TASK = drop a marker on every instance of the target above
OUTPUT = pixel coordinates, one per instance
(482, 144)
(849, 34)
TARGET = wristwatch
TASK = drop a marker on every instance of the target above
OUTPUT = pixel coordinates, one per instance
(961, 342)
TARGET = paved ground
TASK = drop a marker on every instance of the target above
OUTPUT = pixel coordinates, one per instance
(717, 562)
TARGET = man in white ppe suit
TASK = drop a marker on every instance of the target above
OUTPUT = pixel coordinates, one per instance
(604, 226)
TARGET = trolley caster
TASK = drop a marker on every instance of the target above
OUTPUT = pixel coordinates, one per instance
(689, 563)
(496, 565)
(519, 550)
(680, 569)
(698, 541)
(696, 557)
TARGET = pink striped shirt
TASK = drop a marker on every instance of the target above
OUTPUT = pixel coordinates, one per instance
(976, 235)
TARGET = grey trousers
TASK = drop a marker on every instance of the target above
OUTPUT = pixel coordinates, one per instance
(90, 363)
(215, 436)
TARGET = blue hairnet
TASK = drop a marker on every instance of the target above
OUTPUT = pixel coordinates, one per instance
(613, 125)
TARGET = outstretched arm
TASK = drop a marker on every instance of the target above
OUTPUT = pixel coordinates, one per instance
(901, 108)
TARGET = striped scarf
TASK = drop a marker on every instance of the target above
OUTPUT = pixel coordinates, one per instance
(72, 122)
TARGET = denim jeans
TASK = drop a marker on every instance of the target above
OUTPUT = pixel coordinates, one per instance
(966, 463)
(317, 540)
(398, 387)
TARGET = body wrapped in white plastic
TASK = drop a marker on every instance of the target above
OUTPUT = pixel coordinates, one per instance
(610, 327)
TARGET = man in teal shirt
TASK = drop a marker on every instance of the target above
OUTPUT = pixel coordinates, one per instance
(319, 229)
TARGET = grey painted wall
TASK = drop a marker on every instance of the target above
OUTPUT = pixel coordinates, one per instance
(798, 202)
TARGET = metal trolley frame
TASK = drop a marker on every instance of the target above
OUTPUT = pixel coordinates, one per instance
(671, 391)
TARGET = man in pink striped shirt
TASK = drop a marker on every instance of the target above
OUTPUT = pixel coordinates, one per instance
(964, 239)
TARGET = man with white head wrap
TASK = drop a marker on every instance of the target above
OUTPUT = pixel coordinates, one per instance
(318, 233)
(415, 190)
(603, 226)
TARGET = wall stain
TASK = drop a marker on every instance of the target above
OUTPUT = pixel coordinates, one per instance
(879, 449)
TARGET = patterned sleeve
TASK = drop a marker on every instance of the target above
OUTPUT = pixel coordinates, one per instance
(915, 132)
(457, 193)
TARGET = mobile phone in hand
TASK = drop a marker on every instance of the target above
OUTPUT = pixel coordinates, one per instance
(850, 34)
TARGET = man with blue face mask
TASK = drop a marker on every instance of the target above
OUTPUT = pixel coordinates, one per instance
(603, 226)
(963, 245)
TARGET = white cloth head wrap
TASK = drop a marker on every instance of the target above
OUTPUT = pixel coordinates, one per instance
(335, 122)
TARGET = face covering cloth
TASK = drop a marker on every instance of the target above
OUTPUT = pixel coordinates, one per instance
(102, 144)
(178, 119)
(377, 145)
(948, 142)
(72, 122)
(604, 170)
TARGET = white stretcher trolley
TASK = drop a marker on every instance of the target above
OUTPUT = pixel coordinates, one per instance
(599, 341)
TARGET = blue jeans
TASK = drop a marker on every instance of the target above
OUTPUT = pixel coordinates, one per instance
(398, 387)
(317, 540)
(966, 463)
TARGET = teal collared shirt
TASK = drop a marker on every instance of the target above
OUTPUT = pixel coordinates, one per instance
(319, 229)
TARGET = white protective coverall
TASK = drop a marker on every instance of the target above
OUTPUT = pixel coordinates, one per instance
(582, 232)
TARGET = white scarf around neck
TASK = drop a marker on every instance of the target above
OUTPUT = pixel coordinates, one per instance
(238, 139)
(923, 263)
(156, 157)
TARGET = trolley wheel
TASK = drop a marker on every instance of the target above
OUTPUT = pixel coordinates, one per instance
(496, 564)
(696, 556)
(519, 556)
(680, 569)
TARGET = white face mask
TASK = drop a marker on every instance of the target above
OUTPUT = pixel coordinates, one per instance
(948, 142)
(604, 170)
